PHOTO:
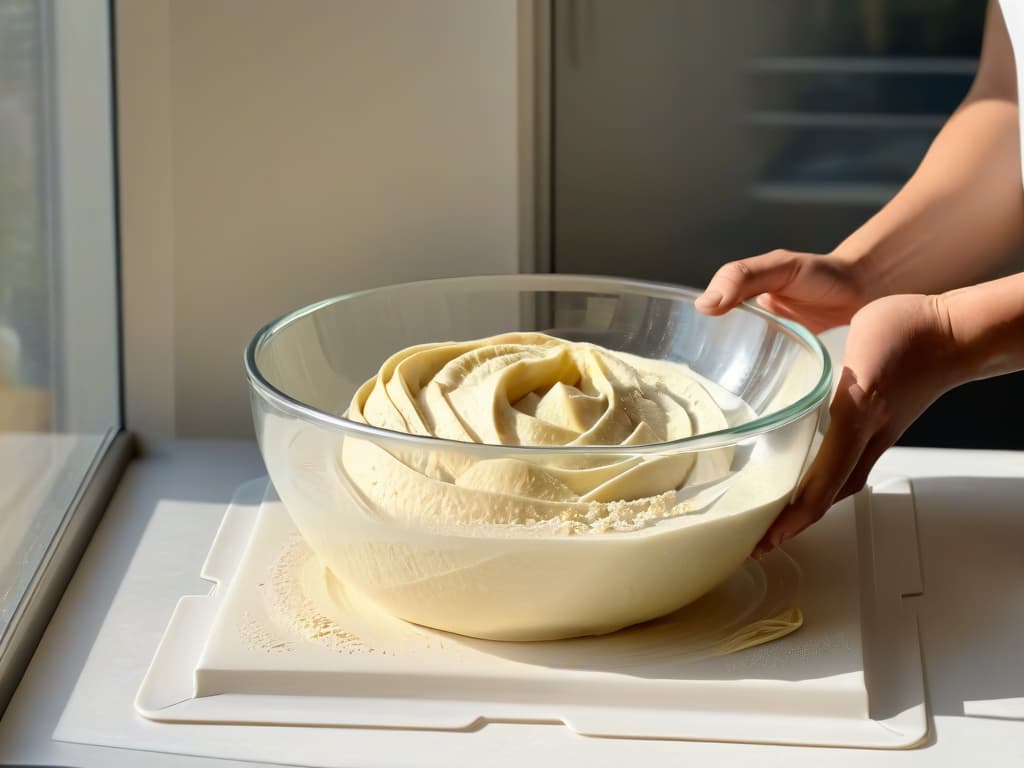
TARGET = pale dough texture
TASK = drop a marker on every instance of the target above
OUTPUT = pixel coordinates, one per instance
(538, 544)
(536, 390)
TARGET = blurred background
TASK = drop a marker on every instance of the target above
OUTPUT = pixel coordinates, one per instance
(687, 134)
(270, 153)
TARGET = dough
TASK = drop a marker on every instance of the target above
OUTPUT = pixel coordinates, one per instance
(534, 390)
(743, 613)
(541, 546)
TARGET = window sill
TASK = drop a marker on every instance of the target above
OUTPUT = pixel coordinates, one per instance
(151, 543)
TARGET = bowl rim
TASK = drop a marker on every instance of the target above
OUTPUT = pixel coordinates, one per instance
(547, 281)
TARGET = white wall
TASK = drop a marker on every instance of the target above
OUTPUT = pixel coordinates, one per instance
(86, 387)
(277, 152)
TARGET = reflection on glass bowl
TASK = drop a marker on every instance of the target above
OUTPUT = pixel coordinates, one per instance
(388, 532)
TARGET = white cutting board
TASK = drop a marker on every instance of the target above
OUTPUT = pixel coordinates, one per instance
(851, 676)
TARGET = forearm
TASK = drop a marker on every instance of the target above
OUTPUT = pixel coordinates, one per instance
(957, 218)
(985, 323)
(962, 212)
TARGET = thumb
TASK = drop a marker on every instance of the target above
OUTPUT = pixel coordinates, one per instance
(739, 280)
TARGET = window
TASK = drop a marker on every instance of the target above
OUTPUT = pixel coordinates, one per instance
(59, 373)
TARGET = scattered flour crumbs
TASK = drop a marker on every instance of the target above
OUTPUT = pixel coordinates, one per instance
(724, 622)
(290, 607)
(606, 517)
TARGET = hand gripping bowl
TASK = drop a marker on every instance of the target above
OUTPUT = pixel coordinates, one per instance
(514, 584)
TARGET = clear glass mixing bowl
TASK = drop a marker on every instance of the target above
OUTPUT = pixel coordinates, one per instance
(304, 368)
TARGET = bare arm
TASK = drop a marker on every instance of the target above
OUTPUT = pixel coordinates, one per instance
(986, 327)
(911, 337)
(962, 211)
(953, 223)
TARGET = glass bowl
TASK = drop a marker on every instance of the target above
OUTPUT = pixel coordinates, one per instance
(380, 535)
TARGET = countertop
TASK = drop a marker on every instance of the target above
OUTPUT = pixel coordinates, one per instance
(158, 528)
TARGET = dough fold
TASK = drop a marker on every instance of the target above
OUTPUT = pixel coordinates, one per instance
(531, 389)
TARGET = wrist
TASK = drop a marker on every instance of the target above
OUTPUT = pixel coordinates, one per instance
(984, 327)
(952, 356)
(861, 274)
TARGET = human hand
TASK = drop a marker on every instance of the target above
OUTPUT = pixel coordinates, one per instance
(819, 291)
(900, 357)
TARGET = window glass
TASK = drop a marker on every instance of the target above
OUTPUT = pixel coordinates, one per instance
(59, 379)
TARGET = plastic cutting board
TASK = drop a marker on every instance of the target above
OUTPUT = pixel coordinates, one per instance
(851, 676)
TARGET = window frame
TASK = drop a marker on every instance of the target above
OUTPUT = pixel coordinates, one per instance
(80, 214)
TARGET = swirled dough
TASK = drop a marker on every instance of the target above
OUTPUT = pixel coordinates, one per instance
(531, 389)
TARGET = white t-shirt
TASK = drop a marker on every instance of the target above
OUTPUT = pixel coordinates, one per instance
(1013, 15)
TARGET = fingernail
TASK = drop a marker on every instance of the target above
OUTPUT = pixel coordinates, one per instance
(709, 299)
